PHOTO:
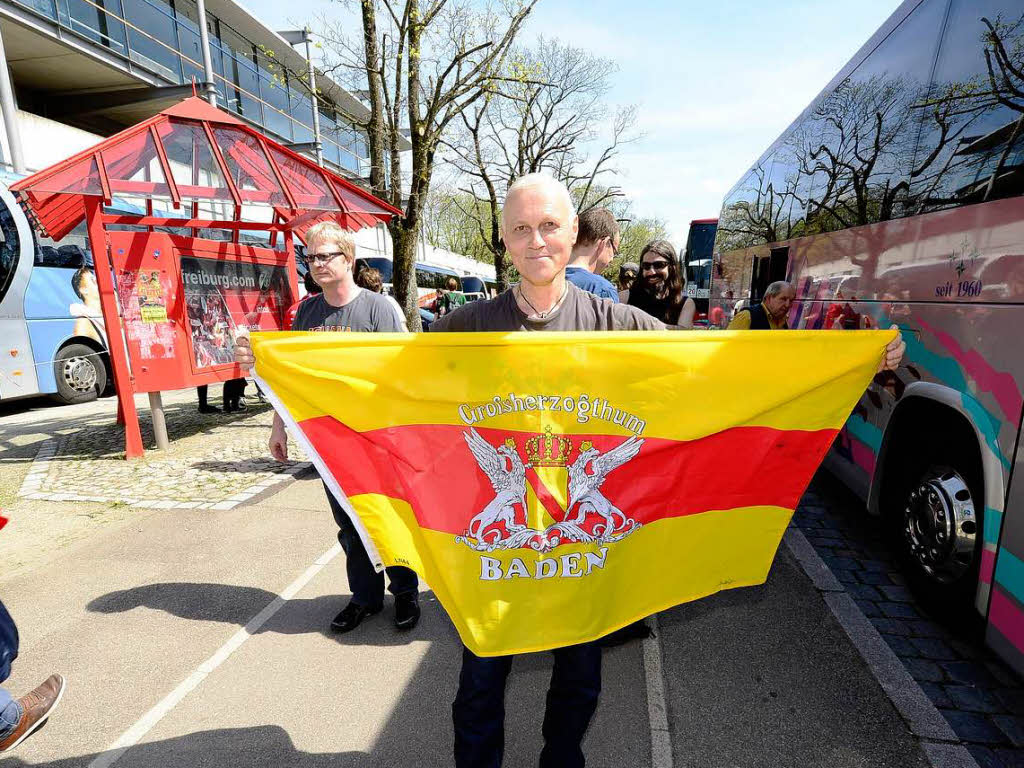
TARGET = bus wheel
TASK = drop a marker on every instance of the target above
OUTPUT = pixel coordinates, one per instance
(80, 373)
(939, 532)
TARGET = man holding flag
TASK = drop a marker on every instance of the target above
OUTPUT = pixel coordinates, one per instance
(539, 227)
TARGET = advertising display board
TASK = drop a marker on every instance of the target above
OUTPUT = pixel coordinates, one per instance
(222, 297)
(183, 301)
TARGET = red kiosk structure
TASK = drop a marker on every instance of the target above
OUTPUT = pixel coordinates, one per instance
(175, 281)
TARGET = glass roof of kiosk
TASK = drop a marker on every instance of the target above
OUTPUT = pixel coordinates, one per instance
(190, 153)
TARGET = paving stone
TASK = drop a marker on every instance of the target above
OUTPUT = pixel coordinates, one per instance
(924, 671)
(897, 610)
(973, 727)
(925, 628)
(937, 694)
(968, 673)
(846, 577)
(933, 649)
(1010, 758)
(841, 563)
(971, 699)
(973, 651)
(1012, 699)
(901, 646)
(891, 626)
(897, 578)
(897, 594)
(878, 578)
(1004, 674)
(864, 592)
(1012, 726)
(985, 757)
(868, 608)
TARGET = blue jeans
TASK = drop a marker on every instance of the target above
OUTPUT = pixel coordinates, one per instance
(478, 713)
(366, 584)
(10, 711)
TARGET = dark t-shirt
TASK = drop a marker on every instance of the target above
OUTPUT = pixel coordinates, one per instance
(580, 311)
(588, 281)
(366, 312)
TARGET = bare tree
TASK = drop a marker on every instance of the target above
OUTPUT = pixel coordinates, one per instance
(548, 108)
(420, 65)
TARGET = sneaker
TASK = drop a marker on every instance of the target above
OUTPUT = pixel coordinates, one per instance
(352, 616)
(407, 611)
(36, 706)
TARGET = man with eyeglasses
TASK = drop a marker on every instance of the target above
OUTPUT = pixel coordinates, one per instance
(596, 245)
(344, 306)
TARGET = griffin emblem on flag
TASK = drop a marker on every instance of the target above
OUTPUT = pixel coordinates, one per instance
(585, 515)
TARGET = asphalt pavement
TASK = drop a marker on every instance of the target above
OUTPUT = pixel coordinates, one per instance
(143, 617)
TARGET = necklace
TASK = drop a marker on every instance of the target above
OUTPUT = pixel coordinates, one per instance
(536, 313)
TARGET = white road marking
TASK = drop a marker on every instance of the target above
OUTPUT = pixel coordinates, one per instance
(657, 709)
(134, 734)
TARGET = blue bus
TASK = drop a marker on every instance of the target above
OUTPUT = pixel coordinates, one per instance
(54, 340)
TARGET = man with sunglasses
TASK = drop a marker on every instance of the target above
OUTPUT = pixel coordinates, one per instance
(596, 245)
(344, 306)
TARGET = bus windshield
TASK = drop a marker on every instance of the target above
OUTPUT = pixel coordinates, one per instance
(471, 284)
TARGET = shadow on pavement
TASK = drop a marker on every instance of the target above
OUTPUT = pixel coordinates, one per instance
(263, 745)
(229, 604)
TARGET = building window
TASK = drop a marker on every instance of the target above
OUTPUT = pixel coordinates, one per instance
(99, 21)
(157, 48)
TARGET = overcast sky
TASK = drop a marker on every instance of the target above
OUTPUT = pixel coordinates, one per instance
(716, 81)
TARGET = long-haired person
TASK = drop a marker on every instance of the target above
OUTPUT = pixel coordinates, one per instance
(658, 290)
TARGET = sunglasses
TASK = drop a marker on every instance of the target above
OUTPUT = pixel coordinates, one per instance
(321, 258)
(654, 266)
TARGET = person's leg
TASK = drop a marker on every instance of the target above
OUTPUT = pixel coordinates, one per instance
(478, 713)
(572, 699)
(204, 407)
(402, 580)
(366, 585)
(10, 713)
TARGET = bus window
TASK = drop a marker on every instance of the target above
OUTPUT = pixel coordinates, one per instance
(9, 250)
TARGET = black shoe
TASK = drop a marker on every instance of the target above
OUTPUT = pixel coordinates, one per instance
(407, 611)
(352, 616)
(208, 409)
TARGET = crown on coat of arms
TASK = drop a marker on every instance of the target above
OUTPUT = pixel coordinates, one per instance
(541, 449)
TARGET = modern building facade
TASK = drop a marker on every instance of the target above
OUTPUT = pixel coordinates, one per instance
(100, 65)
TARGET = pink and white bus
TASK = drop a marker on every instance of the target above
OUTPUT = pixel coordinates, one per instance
(896, 197)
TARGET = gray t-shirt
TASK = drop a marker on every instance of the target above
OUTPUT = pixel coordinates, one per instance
(368, 311)
(580, 311)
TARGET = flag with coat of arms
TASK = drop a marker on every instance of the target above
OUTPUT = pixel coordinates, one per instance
(553, 487)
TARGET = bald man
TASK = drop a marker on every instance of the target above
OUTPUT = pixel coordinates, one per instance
(539, 227)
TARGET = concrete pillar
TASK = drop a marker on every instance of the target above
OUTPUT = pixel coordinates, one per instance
(10, 114)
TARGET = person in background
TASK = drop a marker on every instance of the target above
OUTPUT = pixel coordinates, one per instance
(369, 278)
(451, 298)
(627, 276)
(20, 718)
(659, 289)
(770, 314)
(596, 246)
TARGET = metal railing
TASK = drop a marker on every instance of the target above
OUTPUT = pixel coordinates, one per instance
(60, 12)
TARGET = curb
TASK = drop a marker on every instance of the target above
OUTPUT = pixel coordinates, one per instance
(939, 742)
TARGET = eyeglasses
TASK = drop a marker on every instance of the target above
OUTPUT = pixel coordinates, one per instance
(653, 266)
(321, 258)
(615, 248)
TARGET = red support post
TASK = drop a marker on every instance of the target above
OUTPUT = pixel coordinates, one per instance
(123, 380)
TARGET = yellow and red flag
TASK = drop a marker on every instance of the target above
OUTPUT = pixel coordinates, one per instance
(553, 487)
